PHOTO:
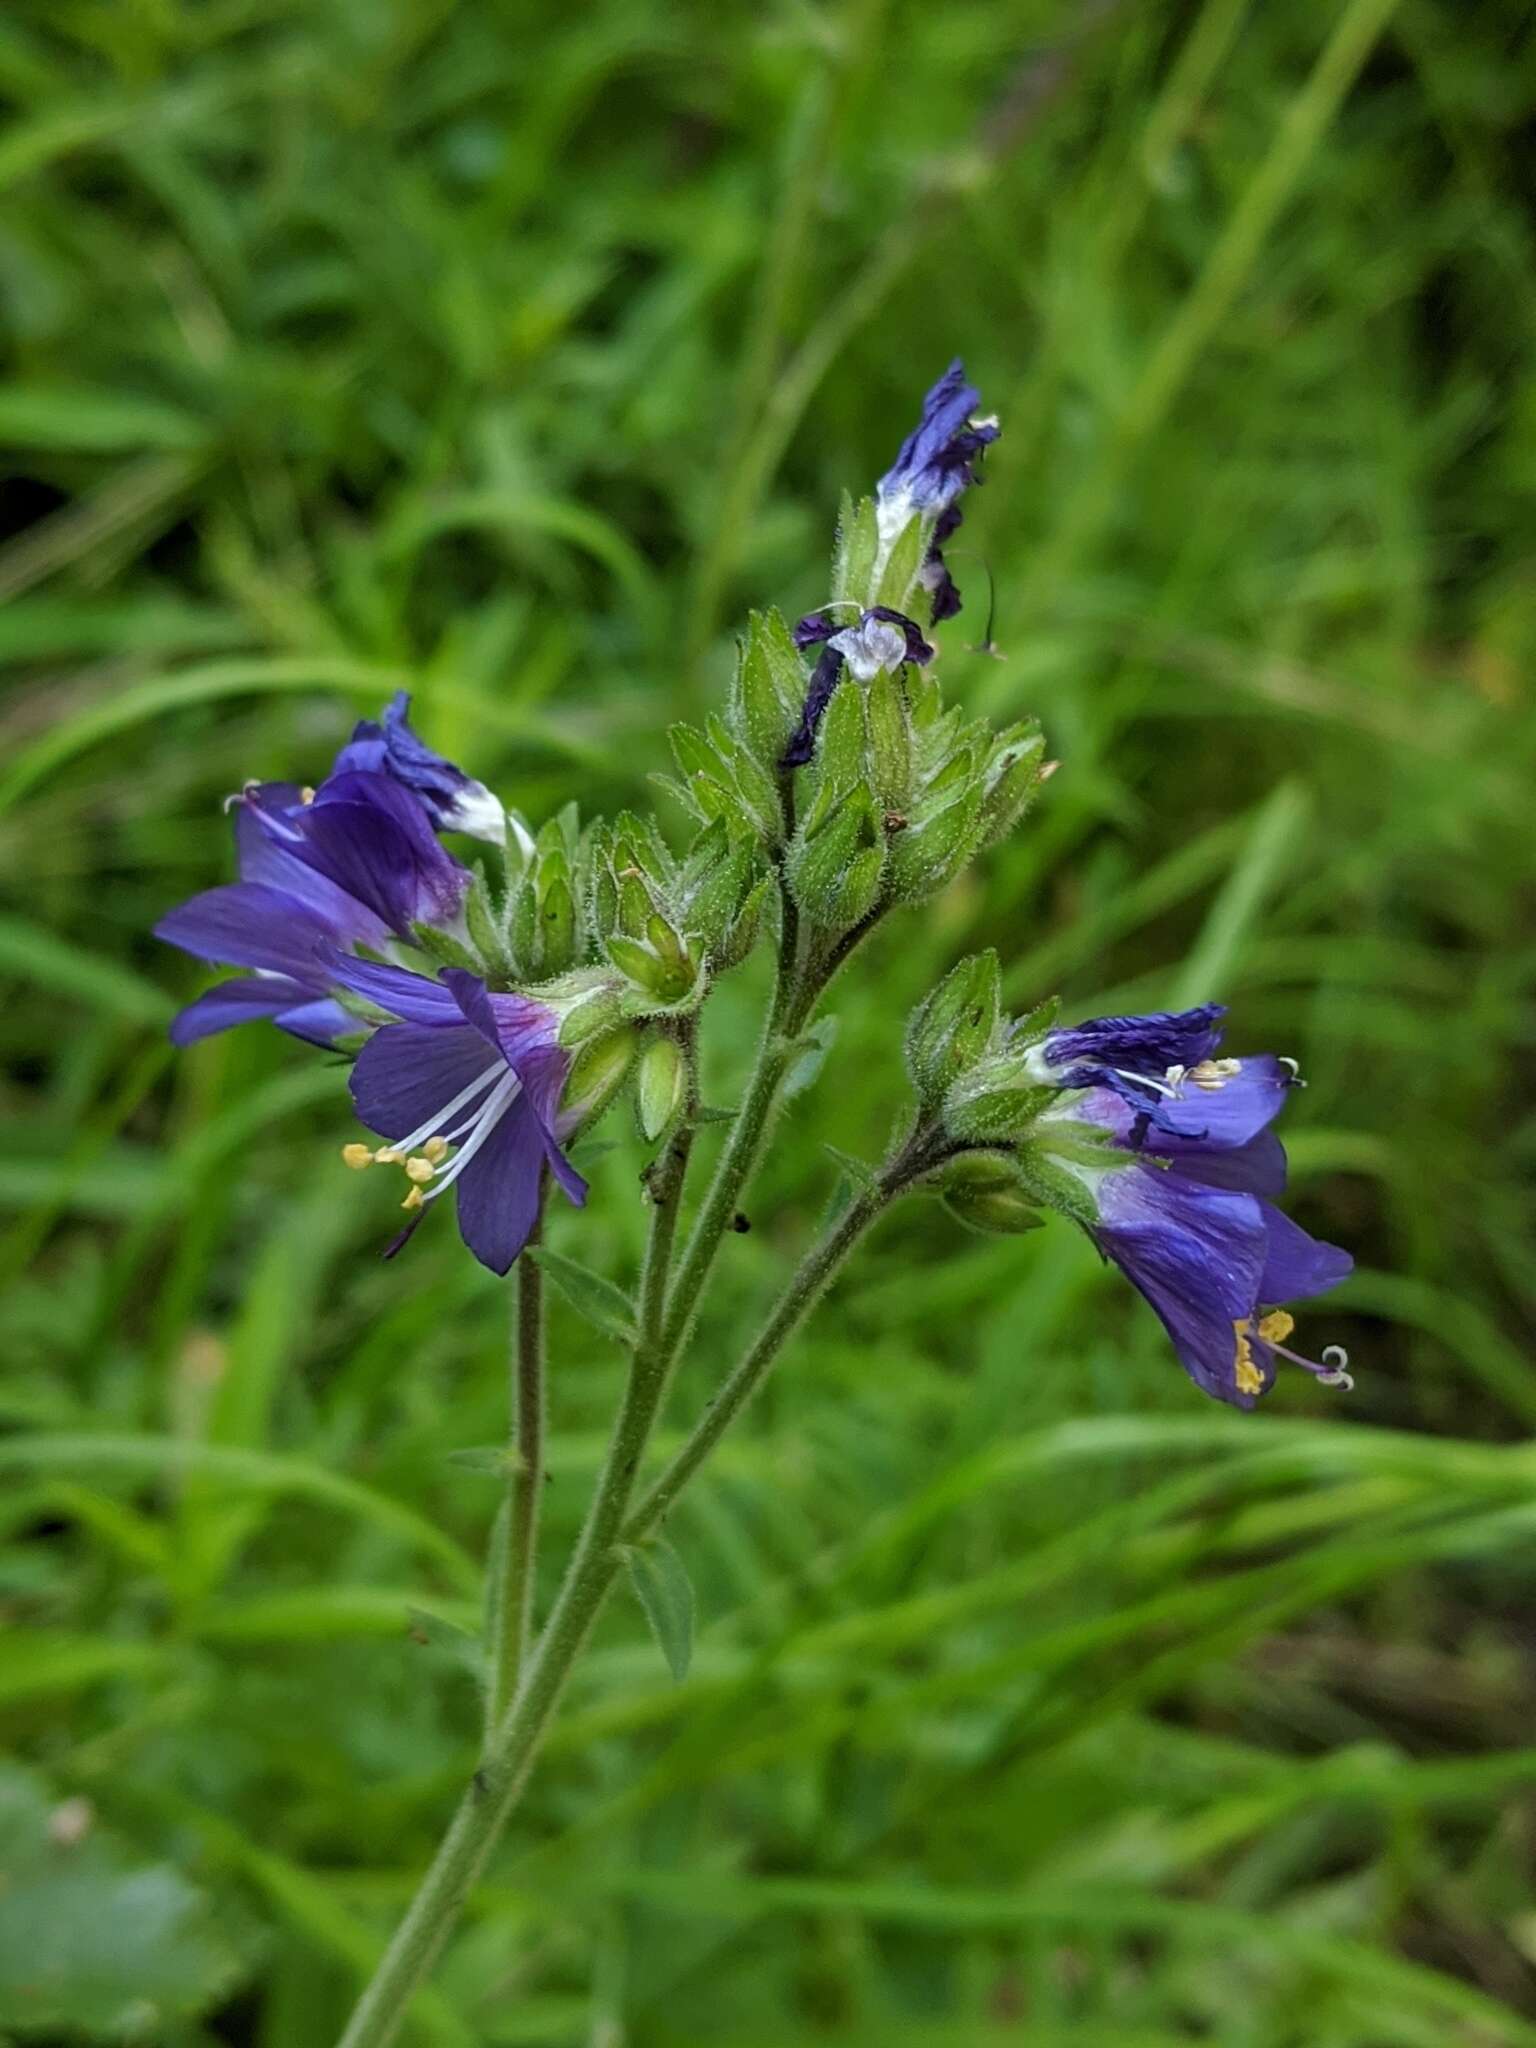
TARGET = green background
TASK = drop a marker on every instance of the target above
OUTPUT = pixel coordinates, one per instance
(510, 353)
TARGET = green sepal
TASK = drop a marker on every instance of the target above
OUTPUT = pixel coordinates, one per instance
(445, 949)
(660, 1082)
(996, 1100)
(768, 691)
(985, 1192)
(836, 875)
(598, 1072)
(899, 570)
(1011, 779)
(890, 740)
(954, 1026)
(935, 846)
(853, 556)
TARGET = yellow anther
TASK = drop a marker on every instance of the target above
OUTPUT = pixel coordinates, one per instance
(419, 1170)
(1276, 1326)
(356, 1156)
(306, 795)
(1213, 1074)
(387, 1156)
(1249, 1379)
(414, 1199)
(435, 1149)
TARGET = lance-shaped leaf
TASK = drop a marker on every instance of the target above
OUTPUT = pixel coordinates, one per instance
(606, 1307)
(665, 1592)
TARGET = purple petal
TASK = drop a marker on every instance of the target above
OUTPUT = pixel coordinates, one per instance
(1258, 1168)
(1231, 1114)
(246, 924)
(245, 1000)
(266, 849)
(933, 464)
(1196, 1254)
(824, 680)
(498, 1192)
(1296, 1265)
(418, 998)
(373, 839)
(453, 801)
(407, 1073)
(1148, 1044)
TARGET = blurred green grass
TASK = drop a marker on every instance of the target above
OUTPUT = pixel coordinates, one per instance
(510, 355)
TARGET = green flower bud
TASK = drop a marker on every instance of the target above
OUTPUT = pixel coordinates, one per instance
(659, 1086)
(985, 1192)
(598, 1072)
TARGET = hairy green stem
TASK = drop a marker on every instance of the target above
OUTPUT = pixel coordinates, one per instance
(511, 1609)
(499, 1782)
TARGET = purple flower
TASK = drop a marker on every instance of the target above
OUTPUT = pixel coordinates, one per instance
(466, 1088)
(1188, 1214)
(881, 639)
(355, 862)
(1163, 1066)
(454, 801)
(935, 464)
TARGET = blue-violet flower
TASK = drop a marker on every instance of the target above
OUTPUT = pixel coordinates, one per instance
(1186, 1212)
(465, 1088)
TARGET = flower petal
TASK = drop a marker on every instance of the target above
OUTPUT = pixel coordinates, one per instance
(246, 924)
(1196, 1254)
(406, 1073)
(1296, 1265)
(417, 998)
(1229, 1114)
(498, 1192)
(1257, 1168)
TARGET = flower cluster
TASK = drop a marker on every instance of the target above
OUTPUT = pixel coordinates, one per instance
(1164, 1151)
(338, 885)
(492, 1011)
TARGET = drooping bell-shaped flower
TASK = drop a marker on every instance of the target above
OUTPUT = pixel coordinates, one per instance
(465, 1088)
(354, 862)
(1183, 1194)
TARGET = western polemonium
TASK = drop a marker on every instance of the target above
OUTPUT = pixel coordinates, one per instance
(1182, 1190)
(465, 1087)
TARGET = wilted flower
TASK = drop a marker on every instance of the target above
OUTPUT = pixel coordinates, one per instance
(466, 1088)
(1185, 1209)
(934, 465)
(879, 639)
(454, 801)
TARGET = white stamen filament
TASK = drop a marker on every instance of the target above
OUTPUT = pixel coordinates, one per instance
(434, 1123)
(495, 1107)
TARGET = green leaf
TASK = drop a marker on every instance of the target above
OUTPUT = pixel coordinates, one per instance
(606, 1307)
(97, 422)
(92, 1941)
(664, 1590)
(859, 1171)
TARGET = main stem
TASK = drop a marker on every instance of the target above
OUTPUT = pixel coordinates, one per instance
(665, 1320)
(511, 1608)
(498, 1784)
